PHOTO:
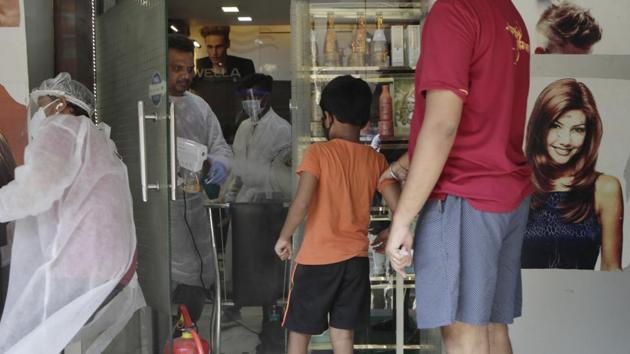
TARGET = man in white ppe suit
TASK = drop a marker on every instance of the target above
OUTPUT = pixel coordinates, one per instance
(73, 263)
(192, 263)
(262, 147)
(262, 158)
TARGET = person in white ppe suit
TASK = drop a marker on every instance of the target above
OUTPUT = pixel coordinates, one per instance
(262, 147)
(192, 262)
(7, 168)
(73, 253)
(262, 160)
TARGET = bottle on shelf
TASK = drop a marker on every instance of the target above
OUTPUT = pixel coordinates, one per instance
(314, 53)
(380, 56)
(331, 50)
(316, 120)
(359, 43)
(385, 113)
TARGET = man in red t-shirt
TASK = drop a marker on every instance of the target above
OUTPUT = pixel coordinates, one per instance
(468, 174)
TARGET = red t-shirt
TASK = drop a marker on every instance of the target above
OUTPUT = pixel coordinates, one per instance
(479, 49)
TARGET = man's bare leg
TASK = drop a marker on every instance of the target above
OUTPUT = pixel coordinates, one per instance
(463, 338)
(499, 339)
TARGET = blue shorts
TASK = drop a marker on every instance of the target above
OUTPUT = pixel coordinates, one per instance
(468, 264)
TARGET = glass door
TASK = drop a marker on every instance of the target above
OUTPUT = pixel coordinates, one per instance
(131, 67)
(379, 42)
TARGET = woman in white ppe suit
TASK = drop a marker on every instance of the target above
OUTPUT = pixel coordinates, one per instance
(74, 241)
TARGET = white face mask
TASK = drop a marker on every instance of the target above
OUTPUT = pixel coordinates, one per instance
(37, 120)
(252, 108)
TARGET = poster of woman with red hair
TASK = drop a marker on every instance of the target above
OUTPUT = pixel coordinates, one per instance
(576, 216)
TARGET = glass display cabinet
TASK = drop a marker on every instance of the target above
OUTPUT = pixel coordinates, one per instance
(378, 41)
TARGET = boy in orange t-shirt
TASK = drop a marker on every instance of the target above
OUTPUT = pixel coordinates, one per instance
(338, 179)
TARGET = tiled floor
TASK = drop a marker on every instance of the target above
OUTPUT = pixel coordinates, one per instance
(239, 335)
(242, 336)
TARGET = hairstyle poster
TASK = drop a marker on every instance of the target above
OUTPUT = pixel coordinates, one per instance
(578, 144)
(9, 13)
(13, 88)
(576, 26)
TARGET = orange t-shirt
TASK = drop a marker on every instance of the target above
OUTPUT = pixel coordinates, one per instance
(339, 213)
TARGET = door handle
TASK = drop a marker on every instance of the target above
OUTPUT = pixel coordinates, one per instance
(172, 152)
(143, 154)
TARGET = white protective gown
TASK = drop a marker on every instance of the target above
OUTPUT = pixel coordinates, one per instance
(195, 121)
(262, 160)
(74, 240)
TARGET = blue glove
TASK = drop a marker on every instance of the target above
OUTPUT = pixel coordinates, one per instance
(218, 173)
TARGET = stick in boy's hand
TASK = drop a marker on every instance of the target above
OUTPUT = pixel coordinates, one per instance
(283, 249)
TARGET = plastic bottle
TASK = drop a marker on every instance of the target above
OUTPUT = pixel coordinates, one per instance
(191, 181)
(385, 113)
(359, 44)
(379, 44)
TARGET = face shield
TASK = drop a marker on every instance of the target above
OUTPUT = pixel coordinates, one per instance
(252, 102)
(41, 100)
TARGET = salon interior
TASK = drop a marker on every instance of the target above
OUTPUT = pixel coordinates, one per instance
(210, 279)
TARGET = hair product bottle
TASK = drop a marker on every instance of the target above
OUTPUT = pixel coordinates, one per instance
(314, 61)
(359, 44)
(385, 113)
(379, 44)
(331, 50)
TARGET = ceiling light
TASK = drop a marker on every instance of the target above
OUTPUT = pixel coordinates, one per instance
(229, 9)
(174, 28)
(196, 44)
(245, 19)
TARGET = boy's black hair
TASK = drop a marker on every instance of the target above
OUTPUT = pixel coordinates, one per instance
(256, 80)
(348, 99)
(180, 42)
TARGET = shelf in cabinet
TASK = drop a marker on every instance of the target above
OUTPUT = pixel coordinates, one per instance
(365, 69)
(363, 139)
(384, 278)
(392, 11)
(394, 139)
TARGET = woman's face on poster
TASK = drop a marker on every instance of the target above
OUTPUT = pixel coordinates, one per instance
(566, 136)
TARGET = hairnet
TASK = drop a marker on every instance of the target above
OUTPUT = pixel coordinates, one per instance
(63, 85)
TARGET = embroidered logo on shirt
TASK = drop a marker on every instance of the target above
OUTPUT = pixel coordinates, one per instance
(520, 44)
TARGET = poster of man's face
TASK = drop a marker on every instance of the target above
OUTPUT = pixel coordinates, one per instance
(9, 13)
(577, 142)
(576, 26)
